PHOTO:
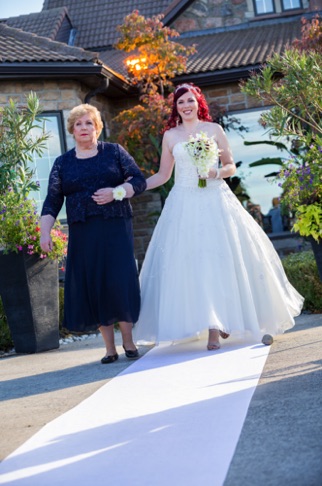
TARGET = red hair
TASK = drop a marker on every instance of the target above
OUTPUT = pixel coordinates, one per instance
(203, 110)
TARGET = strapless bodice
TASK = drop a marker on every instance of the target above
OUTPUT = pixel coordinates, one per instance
(185, 171)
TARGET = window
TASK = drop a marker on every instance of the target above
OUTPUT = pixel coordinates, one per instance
(260, 189)
(264, 6)
(55, 146)
(291, 4)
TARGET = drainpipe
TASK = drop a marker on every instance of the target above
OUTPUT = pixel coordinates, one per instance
(100, 89)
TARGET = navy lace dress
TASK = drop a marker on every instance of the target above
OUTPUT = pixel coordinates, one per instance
(101, 283)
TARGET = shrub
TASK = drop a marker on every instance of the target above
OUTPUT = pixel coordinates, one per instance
(302, 272)
(20, 228)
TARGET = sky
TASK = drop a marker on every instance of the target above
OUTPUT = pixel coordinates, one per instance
(13, 8)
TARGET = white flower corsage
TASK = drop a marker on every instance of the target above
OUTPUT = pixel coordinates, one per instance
(119, 193)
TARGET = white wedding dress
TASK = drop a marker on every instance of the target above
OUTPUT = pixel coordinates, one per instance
(210, 265)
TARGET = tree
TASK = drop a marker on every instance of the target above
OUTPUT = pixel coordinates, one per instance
(154, 61)
(139, 129)
(155, 58)
(291, 82)
(18, 143)
(311, 35)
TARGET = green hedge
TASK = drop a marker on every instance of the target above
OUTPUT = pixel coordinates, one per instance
(302, 272)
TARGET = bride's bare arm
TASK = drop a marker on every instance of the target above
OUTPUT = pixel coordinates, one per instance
(228, 168)
(166, 166)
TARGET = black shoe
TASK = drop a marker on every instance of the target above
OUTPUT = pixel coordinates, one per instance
(110, 359)
(131, 354)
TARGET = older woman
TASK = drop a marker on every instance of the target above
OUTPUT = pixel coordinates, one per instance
(101, 284)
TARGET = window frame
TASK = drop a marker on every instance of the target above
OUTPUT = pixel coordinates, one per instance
(257, 14)
(300, 7)
(61, 133)
(61, 126)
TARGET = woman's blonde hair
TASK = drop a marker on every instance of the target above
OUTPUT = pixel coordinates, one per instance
(81, 110)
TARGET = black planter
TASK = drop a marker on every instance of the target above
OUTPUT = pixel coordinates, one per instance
(29, 292)
(317, 250)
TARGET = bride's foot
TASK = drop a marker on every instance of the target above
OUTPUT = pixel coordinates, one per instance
(213, 340)
(224, 335)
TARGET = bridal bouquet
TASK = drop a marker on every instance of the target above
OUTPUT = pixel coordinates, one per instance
(203, 150)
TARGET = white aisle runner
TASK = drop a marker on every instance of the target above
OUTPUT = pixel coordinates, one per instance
(173, 417)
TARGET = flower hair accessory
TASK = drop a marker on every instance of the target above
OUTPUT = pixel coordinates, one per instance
(119, 193)
(185, 85)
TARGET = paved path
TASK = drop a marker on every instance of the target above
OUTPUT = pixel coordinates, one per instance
(282, 436)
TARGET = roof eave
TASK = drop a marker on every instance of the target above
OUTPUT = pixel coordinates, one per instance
(91, 74)
(209, 78)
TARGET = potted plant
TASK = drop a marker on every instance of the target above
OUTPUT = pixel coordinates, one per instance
(28, 277)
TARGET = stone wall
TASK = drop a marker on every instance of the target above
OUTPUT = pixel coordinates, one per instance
(56, 96)
(229, 96)
(213, 14)
(146, 210)
(209, 14)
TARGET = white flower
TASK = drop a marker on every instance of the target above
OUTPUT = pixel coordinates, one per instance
(203, 151)
(119, 193)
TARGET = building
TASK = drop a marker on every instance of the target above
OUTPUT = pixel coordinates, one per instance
(65, 54)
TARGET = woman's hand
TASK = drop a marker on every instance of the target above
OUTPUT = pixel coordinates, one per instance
(46, 223)
(46, 243)
(103, 196)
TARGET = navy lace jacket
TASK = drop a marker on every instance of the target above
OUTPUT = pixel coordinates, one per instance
(77, 180)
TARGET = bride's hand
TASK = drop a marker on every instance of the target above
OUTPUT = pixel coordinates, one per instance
(213, 172)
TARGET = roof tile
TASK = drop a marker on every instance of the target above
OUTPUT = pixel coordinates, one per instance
(96, 21)
(19, 46)
(226, 50)
(45, 24)
(241, 47)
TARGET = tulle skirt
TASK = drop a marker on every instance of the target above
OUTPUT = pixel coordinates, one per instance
(210, 265)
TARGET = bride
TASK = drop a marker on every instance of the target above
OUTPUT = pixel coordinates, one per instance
(209, 266)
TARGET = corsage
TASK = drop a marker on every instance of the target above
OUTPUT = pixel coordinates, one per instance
(119, 193)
